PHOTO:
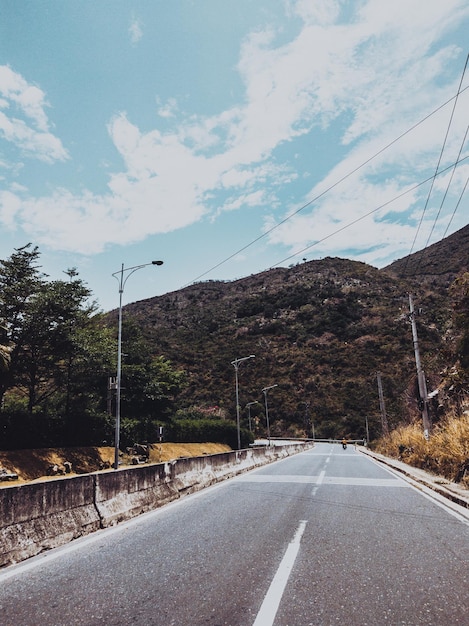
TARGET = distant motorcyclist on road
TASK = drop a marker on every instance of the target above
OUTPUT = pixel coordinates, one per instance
(344, 443)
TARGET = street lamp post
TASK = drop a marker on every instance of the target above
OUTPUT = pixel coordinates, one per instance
(248, 406)
(235, 364)
(122, 276)
(307, 421)
(264, 391)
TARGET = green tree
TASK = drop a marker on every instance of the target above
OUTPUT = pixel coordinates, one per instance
(61, 354)
(4, 350)
(42, 327)
(150, 385)
(20, 281)
(81, 398)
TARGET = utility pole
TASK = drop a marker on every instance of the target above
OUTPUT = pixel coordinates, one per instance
(235, 364)
(423, 403)
(264, 391)
(248, 406)
(384, 419)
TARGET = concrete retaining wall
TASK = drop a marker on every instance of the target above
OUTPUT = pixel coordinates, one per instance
(38, 516)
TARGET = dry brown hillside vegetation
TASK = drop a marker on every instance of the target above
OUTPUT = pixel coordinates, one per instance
(446, 453)
(33, 464)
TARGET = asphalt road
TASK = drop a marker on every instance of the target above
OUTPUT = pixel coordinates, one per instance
(324, 537)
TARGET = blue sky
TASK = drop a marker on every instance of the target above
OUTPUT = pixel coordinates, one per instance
(226, 137)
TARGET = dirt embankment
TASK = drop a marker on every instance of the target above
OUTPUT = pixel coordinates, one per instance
(32, 465)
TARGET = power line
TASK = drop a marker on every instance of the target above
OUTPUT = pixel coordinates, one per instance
(457, 206)
(437, 168)
(446, 190)
(362, 217)
(327, 190)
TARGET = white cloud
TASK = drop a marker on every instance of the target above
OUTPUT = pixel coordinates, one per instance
(30, 134)
(167, 109)
(319, 12)
(9, 208)
(135, 31)
(254, 199)
(363, 75)
(29, 98)
(40, 145)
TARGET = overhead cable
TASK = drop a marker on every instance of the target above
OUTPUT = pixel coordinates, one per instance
(327, 190)
(446, 190)
(362, 217)
(438, 165)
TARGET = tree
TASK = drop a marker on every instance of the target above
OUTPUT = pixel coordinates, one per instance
(20, 280)
(61, 354)
(56, 357)
(149, 385)
(4, 350)
(42, 327)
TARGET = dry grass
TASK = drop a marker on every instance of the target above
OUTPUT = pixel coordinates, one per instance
(161, 452)
(32, 464)
(446, 453)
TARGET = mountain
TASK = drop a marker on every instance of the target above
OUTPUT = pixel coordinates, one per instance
(441, 261)
(320, 330)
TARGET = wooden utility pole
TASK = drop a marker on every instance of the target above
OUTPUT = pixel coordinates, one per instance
(422, 383)
(384, 419)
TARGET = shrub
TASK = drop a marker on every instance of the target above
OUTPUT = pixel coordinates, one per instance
(446, 452)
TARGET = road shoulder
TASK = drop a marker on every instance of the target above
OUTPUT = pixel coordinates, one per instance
(444, 487)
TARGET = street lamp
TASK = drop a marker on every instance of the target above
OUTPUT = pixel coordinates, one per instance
(308, 421)
(248, 406)
(367, 430)
(122, 276)
(236, 363)
(264, 391)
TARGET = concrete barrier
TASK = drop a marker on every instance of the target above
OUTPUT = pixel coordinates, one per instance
(38, 516)
(129, 492)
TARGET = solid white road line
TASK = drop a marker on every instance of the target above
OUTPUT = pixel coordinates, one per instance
(269, 607)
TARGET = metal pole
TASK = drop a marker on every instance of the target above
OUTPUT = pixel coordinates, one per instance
(238, 429)
(264, 391)
(119, 371)
(306, 419)
(384, 419)
(235, 364)
(267, 416)
(420, 374)
(248, 406)
(120, 278)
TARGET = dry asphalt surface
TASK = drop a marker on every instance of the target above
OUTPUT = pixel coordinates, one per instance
(324, 537)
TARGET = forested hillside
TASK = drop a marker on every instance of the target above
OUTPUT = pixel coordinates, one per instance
(321, 331)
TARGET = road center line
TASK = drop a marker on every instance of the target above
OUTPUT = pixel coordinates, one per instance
(319, 481)
(269, 607)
